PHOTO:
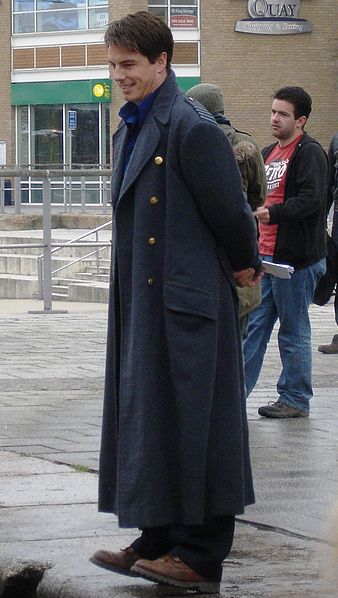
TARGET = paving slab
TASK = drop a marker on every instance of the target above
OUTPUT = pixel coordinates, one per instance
(52, 373)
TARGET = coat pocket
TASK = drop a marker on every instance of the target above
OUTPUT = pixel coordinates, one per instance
(183, 299)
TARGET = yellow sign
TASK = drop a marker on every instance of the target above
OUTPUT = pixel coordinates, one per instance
(101, 91)
(98, 90)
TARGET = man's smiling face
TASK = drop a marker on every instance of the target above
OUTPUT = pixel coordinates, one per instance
(134, 74)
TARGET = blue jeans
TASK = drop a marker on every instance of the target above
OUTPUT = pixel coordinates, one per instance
(287, 300)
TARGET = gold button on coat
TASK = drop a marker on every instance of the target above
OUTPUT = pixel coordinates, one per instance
(150, 282)
(153, 200)
(151, 241)
(158, 160)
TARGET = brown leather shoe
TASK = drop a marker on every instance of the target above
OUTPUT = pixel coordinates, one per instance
(171, 570)
(119, 562)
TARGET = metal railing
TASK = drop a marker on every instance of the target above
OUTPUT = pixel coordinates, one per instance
(46, 175)
(23, 186)
(74, 243)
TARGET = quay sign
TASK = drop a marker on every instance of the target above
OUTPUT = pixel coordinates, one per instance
(273, 17)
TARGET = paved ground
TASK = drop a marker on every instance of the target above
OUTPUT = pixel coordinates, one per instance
(51, 386)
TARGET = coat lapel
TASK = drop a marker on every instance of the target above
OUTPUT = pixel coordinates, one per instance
(147, 140)
(145, 146)
(119, 140)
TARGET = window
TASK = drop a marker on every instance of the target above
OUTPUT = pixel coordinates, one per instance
(179, 14)
(43, 141)
(35, 16)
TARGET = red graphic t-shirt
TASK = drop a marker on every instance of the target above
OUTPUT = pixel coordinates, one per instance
(275, 168)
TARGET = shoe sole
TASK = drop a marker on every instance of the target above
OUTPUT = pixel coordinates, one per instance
(203, 587)
(128, 572)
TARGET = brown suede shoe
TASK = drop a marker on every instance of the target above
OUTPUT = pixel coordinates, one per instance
(172, 571)
(331, 349)
(119, 562)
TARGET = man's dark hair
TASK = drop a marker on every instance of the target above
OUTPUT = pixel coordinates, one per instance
(142, 32)
(297, 96)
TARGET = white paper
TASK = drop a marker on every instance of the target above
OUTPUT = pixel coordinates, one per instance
(279, 270)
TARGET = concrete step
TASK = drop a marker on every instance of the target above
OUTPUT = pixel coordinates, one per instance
(91, 268)
(90, 276)
(94, 292)
(18, 286)
(60, 288)
(91, 291)
(60, 297)
(13, 263)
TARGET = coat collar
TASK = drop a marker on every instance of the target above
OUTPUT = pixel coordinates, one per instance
(147, 140)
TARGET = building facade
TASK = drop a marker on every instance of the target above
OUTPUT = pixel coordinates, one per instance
(58, 105)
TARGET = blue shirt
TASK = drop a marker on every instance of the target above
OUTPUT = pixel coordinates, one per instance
(134, 116)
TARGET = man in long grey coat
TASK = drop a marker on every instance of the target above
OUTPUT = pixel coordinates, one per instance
(174, 455)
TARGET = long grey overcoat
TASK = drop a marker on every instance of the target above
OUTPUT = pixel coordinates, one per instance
(174, 438)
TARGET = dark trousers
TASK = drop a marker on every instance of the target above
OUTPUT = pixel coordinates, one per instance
(202, 547)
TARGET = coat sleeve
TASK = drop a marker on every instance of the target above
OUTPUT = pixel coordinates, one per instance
(210, 171)
(311, 185)
(256, 180)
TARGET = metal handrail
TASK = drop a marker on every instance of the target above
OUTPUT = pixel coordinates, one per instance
(80, 259)
(45, 273)
(73, 242)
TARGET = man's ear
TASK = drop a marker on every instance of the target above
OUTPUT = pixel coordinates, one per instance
(301, 122)
(162, 60)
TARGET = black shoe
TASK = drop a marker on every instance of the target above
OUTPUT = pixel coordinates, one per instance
(280, 410)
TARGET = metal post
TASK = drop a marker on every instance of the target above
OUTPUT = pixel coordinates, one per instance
(83, 193)
(47, 250)
(69, 194)
(17, 195)
(105, 195)
(97, 254)
(2, 195)
(70, 167)
(40, 278)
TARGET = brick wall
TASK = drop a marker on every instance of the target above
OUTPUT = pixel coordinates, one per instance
(6, 123)
(249, 67)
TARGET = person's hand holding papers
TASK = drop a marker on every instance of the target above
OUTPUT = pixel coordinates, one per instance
(262, 214)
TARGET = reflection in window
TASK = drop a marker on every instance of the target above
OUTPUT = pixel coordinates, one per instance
(60, 21)
(59, 4)
(47, 134)
(31, 16)
(23, 5)
(85, 139)
(43, 126)
(23, 136)
(24, 23)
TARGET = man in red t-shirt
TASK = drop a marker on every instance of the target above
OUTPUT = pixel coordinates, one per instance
(291, 231)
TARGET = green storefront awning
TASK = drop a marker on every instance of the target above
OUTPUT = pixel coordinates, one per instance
(61, 92)
(73, 92)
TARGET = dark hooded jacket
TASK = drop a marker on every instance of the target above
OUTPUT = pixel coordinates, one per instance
(301, 218)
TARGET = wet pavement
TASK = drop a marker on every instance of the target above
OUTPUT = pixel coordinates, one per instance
(51, 387)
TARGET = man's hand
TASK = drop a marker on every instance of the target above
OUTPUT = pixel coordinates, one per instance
(248, 277)
(262, 214)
